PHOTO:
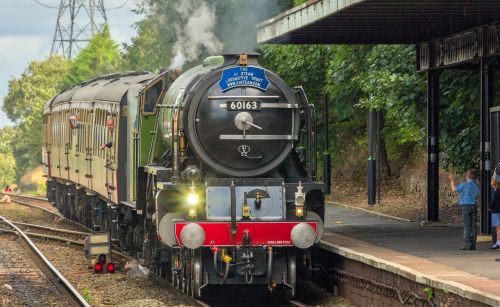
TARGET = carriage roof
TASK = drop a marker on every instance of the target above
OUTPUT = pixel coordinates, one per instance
(109, 88)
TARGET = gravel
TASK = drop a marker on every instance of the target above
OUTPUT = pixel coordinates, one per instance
(22, 283)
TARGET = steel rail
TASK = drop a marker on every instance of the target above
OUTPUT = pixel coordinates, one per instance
(56, 213)
(90, 231)
(25, 196)
(114, 250)
(44, 230)
(174, 290)
(42, 236)
(13, 199)
(296, 303)
(49, 269)
(65, 231)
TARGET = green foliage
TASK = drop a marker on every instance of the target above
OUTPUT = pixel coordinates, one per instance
(7, 161)
(460, 105)
(430, 292)
(7, 135)
(299, 65)
(152, 48)
(354, 78)
(24, 104)
(390, 82)
(41, 81)
(100, 57)
(87, 295)
(359, 78)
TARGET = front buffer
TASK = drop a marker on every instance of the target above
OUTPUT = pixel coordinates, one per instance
(302, 234)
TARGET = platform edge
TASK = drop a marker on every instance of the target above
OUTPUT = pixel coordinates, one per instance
(462, 290)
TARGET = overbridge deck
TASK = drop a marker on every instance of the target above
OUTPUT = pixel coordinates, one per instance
(428, 255)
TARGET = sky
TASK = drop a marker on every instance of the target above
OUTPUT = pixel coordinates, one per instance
(27, 30)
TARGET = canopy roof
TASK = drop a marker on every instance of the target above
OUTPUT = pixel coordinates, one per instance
(376, 21)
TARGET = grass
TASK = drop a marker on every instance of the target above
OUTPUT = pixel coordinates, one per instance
(37, 192)
(87, 296)
(19, 213)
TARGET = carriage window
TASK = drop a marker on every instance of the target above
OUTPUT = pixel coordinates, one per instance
(150, 100)
(74, 120)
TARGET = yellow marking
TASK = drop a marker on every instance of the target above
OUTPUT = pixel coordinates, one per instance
(227, 259)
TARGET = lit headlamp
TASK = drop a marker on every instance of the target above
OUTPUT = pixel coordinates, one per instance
(192, 201)
(300, 200)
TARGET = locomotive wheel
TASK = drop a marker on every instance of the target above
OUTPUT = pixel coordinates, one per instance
(175, 269)
(292, 270)
(196, 273)
(193, 273)
(61, 198)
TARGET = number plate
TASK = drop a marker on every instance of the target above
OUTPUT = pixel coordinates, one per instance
(243, 105)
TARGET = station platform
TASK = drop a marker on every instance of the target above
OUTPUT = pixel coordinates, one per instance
(428, 255)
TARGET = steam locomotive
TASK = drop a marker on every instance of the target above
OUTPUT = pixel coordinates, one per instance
(208, 177)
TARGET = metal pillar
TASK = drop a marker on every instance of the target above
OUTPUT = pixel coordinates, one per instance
(371, 159)
(433, 145)
(487, 78)
(379, 156)
(326, 153)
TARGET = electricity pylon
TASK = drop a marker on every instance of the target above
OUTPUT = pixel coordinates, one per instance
(77, 22)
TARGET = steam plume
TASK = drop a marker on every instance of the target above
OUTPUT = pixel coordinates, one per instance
(195, 35)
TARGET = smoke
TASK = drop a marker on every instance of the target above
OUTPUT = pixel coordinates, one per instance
(206, 26)
(195, 35)
(240, 19)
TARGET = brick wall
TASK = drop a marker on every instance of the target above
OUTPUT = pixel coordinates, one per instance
(364, 285)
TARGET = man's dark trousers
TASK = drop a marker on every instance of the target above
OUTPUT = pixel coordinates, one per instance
(469, 216)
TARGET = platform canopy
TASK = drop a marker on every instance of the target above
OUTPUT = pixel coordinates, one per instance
(448, 34)
(376, 21)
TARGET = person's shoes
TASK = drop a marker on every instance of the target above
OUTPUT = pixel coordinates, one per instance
(464, 248)
(468, 248)
(472, 248)
(495, 246)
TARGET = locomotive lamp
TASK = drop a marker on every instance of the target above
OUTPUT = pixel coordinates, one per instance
(258, 200)
(192, 200)
(245, 214)
(299, 201)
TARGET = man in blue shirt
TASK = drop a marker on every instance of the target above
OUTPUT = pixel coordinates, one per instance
(469, 191)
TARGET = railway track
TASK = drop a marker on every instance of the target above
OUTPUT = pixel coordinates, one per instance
(295, 303)
(58, 280)
(42, 203)
(34, 202)
(57, 234)
(77, 237)
(28, 197)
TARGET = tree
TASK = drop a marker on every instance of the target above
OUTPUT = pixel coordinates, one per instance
(24, 104)
(151, 49)
(355, 79)
(157, 34)
(7, 161)
(100, 57)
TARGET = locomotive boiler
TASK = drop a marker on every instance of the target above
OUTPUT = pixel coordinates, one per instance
(208, 177)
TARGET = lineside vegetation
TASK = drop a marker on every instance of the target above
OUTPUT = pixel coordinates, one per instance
(354, 78)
